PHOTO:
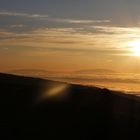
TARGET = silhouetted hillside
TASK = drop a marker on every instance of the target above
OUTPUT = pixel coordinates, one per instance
(33, 108)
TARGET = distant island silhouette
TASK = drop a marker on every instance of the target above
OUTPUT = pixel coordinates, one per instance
(34, 108)
(90, 71)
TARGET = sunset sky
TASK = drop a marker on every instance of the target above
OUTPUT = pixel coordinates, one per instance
(69, 35)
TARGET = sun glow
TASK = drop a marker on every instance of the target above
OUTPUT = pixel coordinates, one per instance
(135, 47)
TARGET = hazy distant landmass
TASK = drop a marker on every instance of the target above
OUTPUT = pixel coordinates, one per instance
(126, 82)
(41, 71)
(28, 71)
(90, 71)
(33, 72)
(34, 108)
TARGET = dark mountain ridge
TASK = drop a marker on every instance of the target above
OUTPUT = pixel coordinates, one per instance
(33, 108)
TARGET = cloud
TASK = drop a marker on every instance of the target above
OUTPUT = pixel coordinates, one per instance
(64, 50)
(10, 13)
(81, 21)
(100, 39)
(88, 51)
(117, 30)
(52, 19)
(6, 34)
(17, 26)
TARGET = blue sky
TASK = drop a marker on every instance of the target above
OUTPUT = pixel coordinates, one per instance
(59, 34)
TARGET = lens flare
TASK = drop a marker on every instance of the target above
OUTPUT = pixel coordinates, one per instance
(56, 91)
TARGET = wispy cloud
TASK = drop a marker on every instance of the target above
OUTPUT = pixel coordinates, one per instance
(6, 34)
(17, 26)
(117, 30)
(75, 40)
(20, 14)
(82, 21)
(52, 19)
(87, 34)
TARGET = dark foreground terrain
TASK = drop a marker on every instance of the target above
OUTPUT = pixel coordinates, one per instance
(32, 108)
